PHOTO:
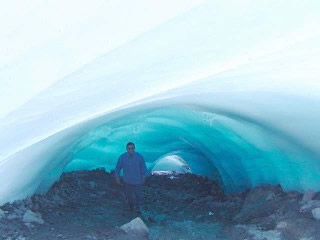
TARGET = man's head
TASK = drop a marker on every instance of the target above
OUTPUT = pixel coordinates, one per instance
(130, 147)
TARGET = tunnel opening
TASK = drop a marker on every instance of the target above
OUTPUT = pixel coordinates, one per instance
(170, 164)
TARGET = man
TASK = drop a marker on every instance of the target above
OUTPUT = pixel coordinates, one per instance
(134, 172)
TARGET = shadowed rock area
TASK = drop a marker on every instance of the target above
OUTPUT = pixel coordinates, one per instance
(89, 205)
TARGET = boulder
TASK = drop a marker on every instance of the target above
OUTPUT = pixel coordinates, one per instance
(298, 228)
(308, 195)
(28, 202)
(21, 238)
(316, 213)
(136, 228)
(282, 225)
(92, 185)
(12, 216)
(30, 217)
(2, 214)
(260, 202)
(310, 205)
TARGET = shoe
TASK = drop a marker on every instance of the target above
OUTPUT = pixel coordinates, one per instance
(138, 211)
(130, 207)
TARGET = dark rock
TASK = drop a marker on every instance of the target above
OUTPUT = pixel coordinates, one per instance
(31, 217)
(260, 202)
(308, 195)
(298, 228)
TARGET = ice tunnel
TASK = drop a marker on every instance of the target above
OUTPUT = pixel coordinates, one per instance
(227, 90)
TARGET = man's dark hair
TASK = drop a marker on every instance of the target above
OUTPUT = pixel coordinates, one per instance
(130, 143)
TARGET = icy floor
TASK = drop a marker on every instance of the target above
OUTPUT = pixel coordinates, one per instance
(89, 205)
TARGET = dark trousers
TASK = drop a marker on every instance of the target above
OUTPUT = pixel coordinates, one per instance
(133, 194)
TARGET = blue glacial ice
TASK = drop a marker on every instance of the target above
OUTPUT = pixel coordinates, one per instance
(227, 90)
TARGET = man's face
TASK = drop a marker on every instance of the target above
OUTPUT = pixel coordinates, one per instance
(130, 149)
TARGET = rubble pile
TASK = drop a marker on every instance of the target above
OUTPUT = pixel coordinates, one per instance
(90, 205)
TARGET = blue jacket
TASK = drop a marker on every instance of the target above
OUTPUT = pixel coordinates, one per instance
(134, 168)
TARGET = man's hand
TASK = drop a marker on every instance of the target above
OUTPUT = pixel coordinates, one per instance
(118, 180)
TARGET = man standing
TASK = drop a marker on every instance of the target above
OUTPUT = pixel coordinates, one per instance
(134, 172)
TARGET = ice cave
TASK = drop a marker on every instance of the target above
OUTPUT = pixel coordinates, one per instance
(224, 89)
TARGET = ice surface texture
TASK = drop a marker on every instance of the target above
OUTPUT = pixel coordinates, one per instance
(229, 90)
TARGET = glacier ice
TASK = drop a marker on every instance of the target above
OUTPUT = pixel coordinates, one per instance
(230, 90)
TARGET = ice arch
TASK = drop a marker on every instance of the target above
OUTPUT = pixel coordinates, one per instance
(239, 151)
(233, 89)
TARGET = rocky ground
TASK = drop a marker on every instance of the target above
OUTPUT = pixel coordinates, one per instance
(89, 205)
